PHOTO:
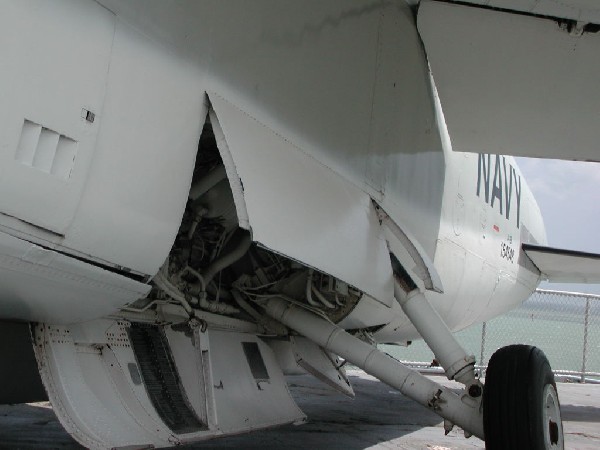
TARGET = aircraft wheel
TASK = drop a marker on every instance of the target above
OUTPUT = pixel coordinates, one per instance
(520, 402)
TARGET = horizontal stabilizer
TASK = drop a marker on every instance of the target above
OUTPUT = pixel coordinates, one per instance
(565, 266)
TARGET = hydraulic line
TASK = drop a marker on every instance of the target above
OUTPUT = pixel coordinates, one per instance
(163, 283)
(322, 298)
(310, 288)
(227, 259)
(207, 182)
(218, 308)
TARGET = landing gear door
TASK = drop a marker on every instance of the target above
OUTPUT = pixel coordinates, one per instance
(323, 365)
(288, 193)
(409, 253)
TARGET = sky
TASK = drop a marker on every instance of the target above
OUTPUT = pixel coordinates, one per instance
(568, 193)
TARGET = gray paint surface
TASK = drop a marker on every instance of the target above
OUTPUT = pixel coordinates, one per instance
(378, 418)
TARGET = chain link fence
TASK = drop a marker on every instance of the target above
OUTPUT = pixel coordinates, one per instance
(565, 325)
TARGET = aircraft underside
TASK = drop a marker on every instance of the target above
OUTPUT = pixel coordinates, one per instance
(206, 352)
(198, 201)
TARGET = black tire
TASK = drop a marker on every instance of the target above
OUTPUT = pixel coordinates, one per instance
(520, 404)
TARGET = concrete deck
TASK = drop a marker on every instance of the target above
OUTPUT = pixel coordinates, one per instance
(378, 418)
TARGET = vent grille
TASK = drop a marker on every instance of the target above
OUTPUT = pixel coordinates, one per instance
(159, 374)
(46, 150)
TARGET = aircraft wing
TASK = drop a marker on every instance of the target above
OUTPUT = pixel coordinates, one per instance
(519, 81)
(564, 266)
(587, 11)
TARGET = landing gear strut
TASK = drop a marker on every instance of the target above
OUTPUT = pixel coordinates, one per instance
(519, 402)
(457, 408)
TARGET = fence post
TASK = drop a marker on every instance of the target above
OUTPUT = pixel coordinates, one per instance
(482, 353)
(586, 323)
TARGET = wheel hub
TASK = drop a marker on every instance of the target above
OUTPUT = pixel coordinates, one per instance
(552, 422)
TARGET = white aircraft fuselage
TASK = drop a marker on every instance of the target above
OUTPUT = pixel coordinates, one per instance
(344, 83)
(333, 157)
